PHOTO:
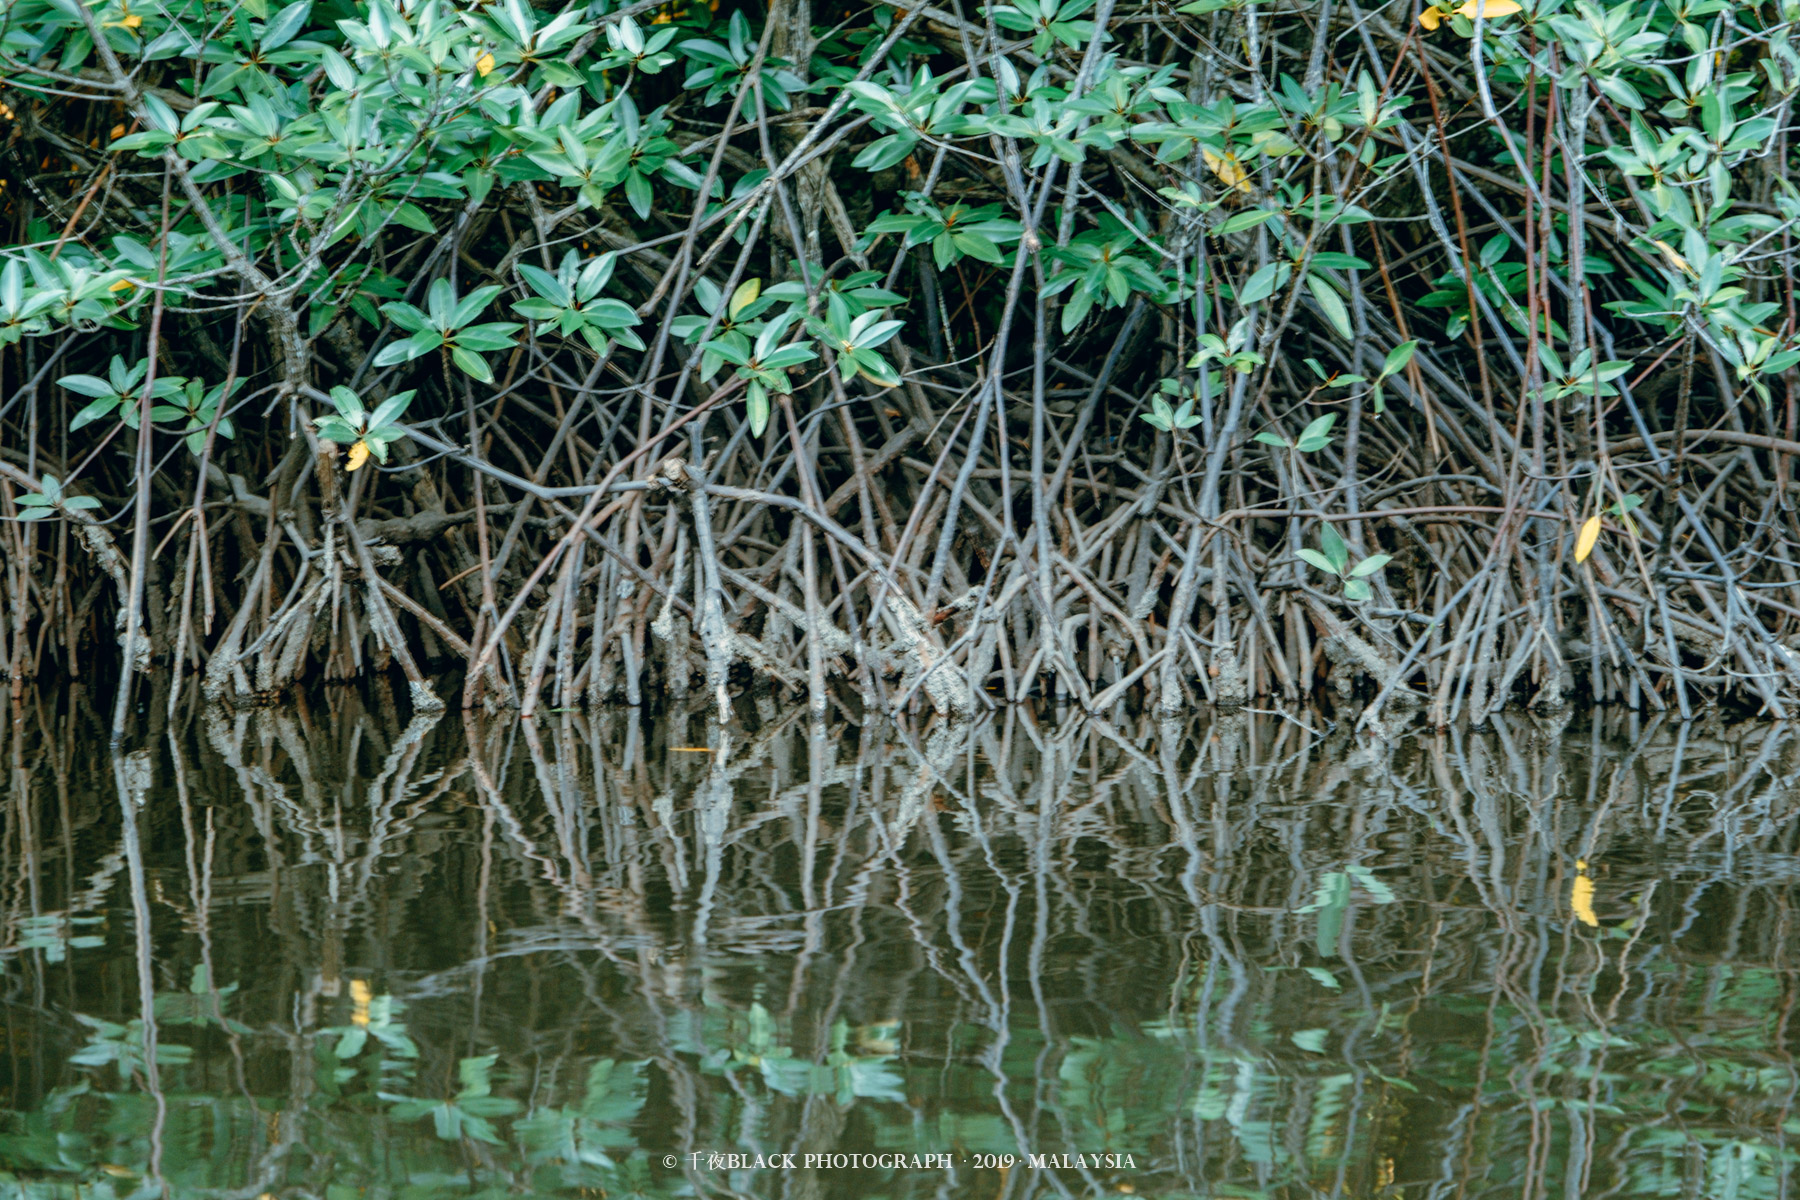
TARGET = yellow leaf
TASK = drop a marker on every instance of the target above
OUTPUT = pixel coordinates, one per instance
(1488, 8)
(1584, 544)
(1230, 171)
(122, 285)
(744, 297)
(1430, 18)
(359, 992)
(117, 131)
(359, 454)
(484, 65)
(1681, 264)
(132, 21)
(1581, 896)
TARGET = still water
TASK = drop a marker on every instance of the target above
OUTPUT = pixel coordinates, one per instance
(321, 952)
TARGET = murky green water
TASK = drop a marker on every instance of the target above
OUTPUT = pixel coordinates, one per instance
(590, 957)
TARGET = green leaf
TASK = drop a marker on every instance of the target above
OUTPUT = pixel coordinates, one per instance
(976, 246)
(351, 1043)
(495, 335)
(1370, 565)
(285, 24)
(87, 385)
(759, 409)
(93, 412)
(1310, 1040)
(896, 223)
(1330, 900)
(348, 404)
(1334, 548)
(1316, 559)
(1495, 249)
(472, 364)
(1324, 978)
(788, 356)
(883, 153)
(729, 351)
(406, 317)
(1264, 283)
(470, 306)
(148, 140)
(1398, 357)
(866, 333)
(334, 429)
(545, 284)
(397, 352)
(875, 368)
(1077, 308)
(638, 194)
(1317, 434)
(1247, 220)
(1331, 304)
(413, 217)
(390, 410)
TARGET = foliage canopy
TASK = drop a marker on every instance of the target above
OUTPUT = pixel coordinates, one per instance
(1492, 266)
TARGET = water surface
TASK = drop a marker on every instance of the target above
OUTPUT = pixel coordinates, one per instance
(324, 953)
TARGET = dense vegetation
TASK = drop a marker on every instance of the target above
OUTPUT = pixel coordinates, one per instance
(902, 353)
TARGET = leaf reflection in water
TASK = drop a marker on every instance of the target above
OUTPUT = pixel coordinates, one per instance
(498, 958)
